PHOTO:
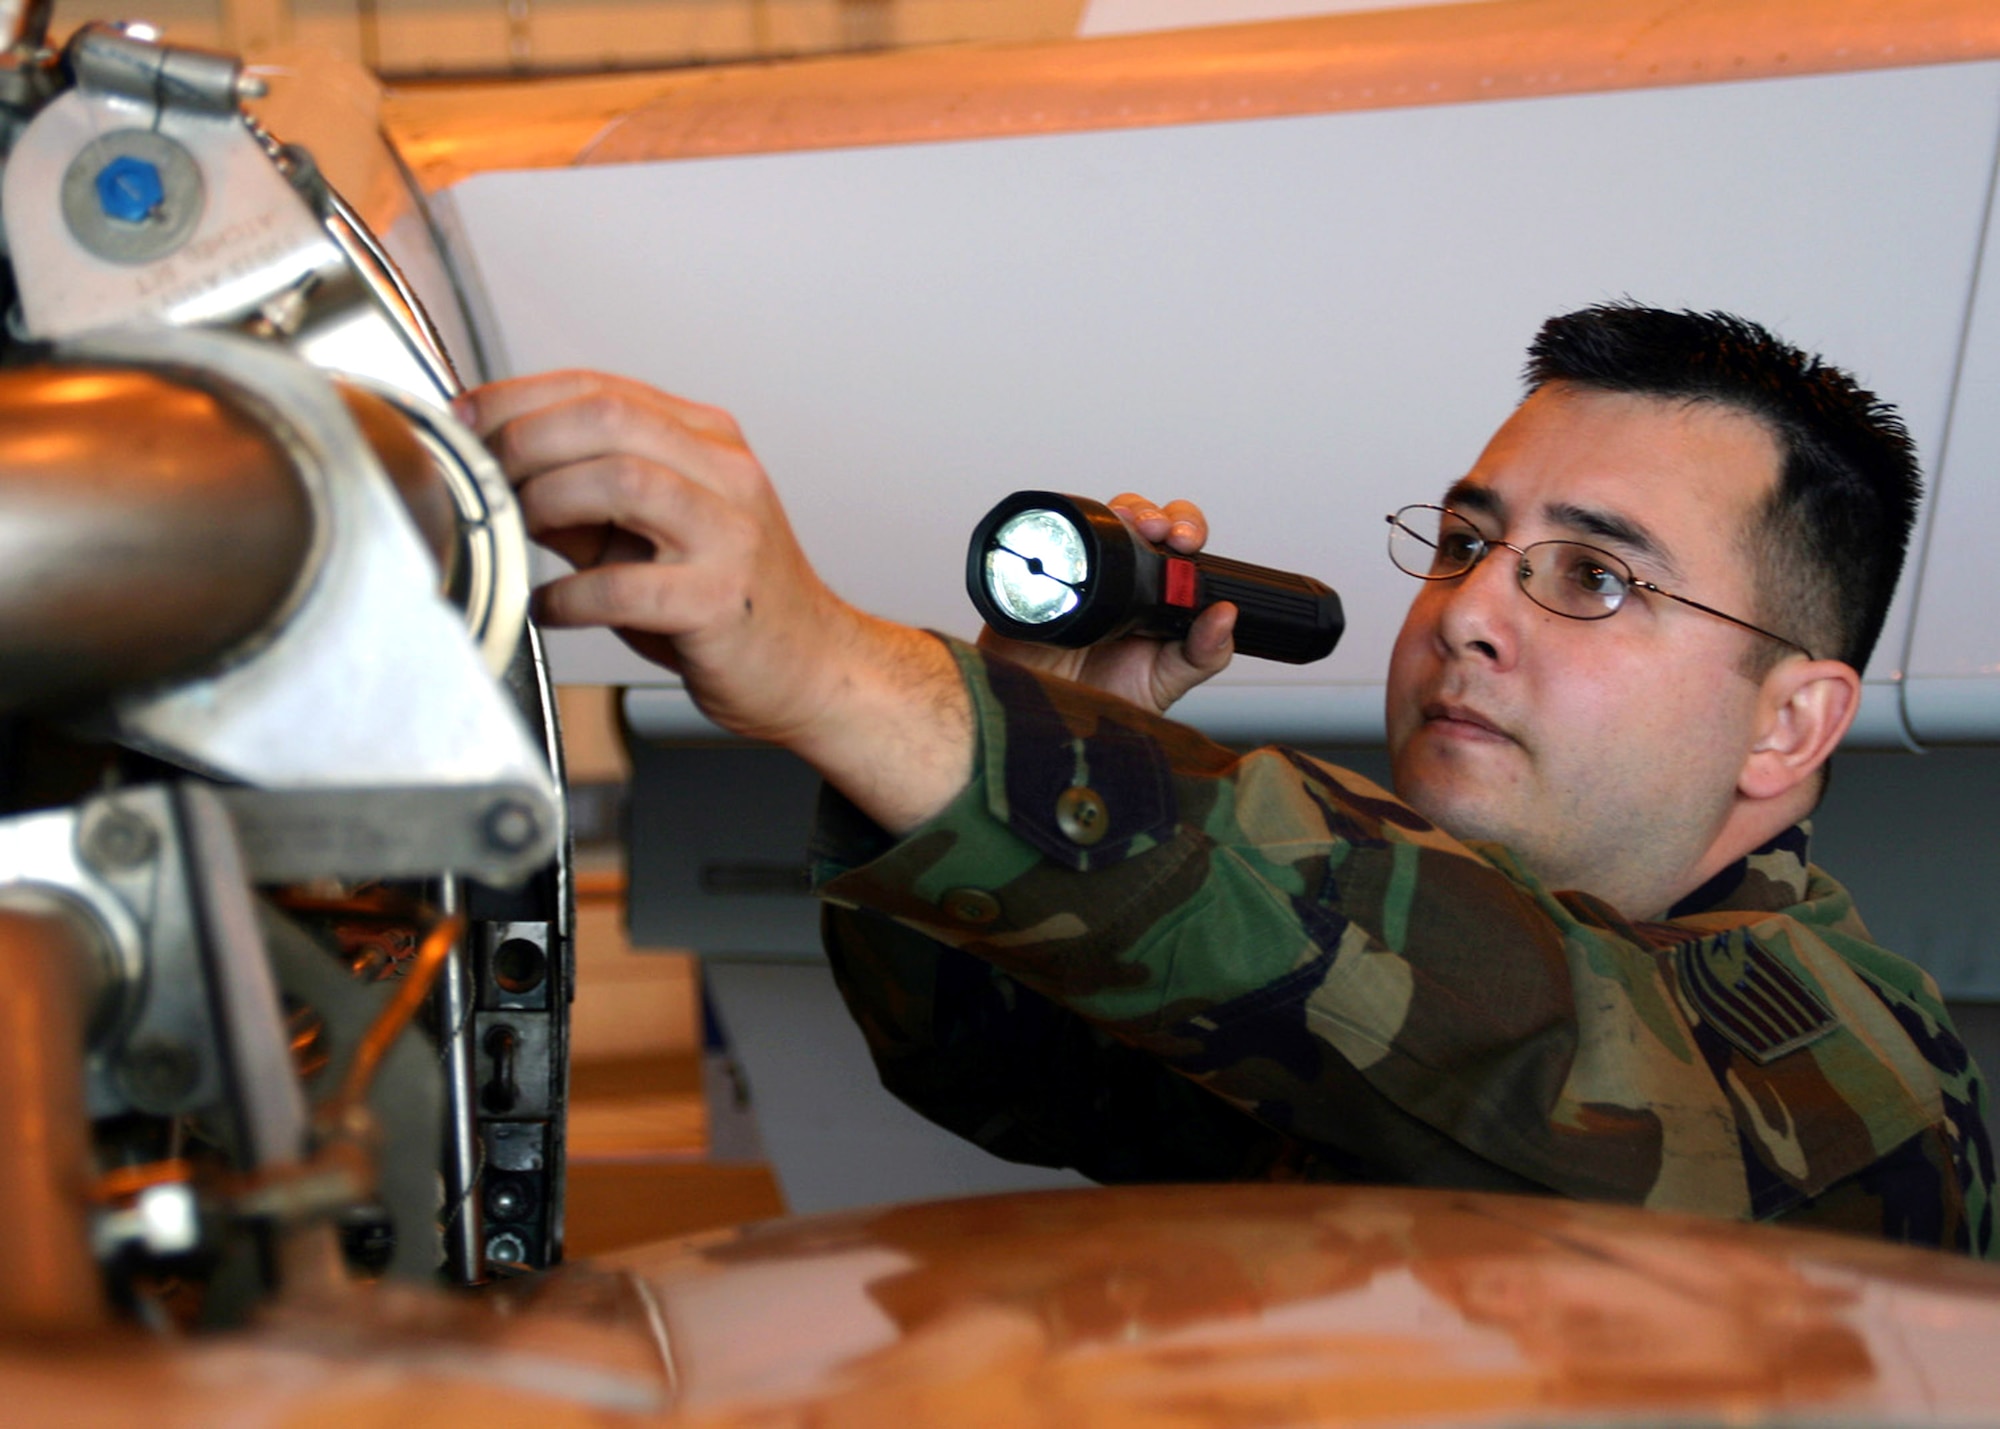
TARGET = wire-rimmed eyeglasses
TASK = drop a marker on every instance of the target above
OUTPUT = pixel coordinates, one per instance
(1569, 578)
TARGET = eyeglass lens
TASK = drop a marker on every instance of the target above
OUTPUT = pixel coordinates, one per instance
(1566, 577)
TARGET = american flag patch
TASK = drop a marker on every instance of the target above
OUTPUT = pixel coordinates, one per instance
(1751, 998)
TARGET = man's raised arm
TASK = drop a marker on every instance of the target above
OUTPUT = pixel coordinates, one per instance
(682, 547)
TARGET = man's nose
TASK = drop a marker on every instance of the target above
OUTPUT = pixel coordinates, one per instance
(1484, 608)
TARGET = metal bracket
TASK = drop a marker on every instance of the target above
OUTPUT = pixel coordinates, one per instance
(215, 245)
(499, 833)
(193, 1011)
(370, 684)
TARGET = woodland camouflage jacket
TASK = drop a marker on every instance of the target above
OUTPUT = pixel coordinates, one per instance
(1129, 950)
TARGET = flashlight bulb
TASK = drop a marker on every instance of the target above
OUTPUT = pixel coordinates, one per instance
(1034, 567)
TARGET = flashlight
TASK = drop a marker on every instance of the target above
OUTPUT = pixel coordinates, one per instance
(1064, 570)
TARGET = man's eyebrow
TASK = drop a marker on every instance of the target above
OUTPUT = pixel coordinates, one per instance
(1467, 496)
(1608, 527)
(1622, 531)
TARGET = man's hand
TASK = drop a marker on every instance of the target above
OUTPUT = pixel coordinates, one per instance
(1150, 673)
(682, 547)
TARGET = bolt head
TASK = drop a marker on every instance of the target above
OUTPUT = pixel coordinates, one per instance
(510, 826)
(158, 1075)
(508, 1200)
(130, 189)
(120, 841)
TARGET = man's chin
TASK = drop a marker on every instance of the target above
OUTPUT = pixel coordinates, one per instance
(1447, 800)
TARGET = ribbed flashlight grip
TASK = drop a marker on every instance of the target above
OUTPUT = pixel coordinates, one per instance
(1280, 615)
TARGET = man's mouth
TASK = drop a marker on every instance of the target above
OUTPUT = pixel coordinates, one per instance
(1462, 721)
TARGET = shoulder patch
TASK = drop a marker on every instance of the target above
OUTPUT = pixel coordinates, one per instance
(1757, 1003)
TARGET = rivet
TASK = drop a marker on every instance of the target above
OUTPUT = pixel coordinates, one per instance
(1082, 815)
(971, 905)
(120, 841)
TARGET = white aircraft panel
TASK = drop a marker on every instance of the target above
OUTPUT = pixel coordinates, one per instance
(1952, 693)
(1301, 323)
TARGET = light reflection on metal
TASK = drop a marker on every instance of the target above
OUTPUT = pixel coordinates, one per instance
(150, 528)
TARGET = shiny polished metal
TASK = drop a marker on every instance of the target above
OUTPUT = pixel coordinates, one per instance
(132, 561)
(246, 535)
(229, 236)
(368, 686)
(145, 194)
(491, 581)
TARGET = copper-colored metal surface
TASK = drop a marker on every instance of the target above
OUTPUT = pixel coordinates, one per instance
(1438, 54)
(1159, 1306)
(1260, 1305)
(48, 958)
(410, 993)
(146, 528)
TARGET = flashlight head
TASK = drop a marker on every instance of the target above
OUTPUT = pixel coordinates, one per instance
(1035, 566)
(1054, 569)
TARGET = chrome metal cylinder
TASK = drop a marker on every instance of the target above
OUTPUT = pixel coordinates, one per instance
(464, 1238)
(148, 526)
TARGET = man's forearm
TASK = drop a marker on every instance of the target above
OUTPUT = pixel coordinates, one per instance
(894, 729)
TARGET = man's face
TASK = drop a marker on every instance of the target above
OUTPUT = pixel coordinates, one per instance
(1605, 753)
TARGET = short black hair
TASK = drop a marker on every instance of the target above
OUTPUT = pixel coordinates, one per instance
(1832, 538)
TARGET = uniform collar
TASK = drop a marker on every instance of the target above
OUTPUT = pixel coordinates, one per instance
(1766, 880)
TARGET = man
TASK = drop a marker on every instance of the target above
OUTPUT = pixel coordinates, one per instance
(1584, 954)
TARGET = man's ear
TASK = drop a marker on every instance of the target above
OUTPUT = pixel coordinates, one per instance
(1803, 709)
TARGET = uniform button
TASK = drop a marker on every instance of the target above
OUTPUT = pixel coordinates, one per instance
(1081, 815)
(971, 905)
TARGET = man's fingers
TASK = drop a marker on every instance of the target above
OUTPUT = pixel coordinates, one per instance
(627, 493)
(1179, 524)
(486, 409)
(541, 425)
(584, 545)
(596, 425)
(1210, 643)
(633, 596)
(1204, 653)
(1187, 529)
(1141, 514)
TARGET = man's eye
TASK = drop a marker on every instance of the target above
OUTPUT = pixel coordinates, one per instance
(1596, 578)
(1458, 548)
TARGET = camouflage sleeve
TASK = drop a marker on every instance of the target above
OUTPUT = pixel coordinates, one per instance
(973, 1050)
(1290, 938)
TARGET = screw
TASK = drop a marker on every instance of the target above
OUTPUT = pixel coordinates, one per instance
(157, 1076)
(507, 1248)
(507, 1200)
(129, 189)
(120, 841)
(510, 826)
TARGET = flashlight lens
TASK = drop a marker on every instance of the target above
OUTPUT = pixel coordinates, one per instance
(1034, 567)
